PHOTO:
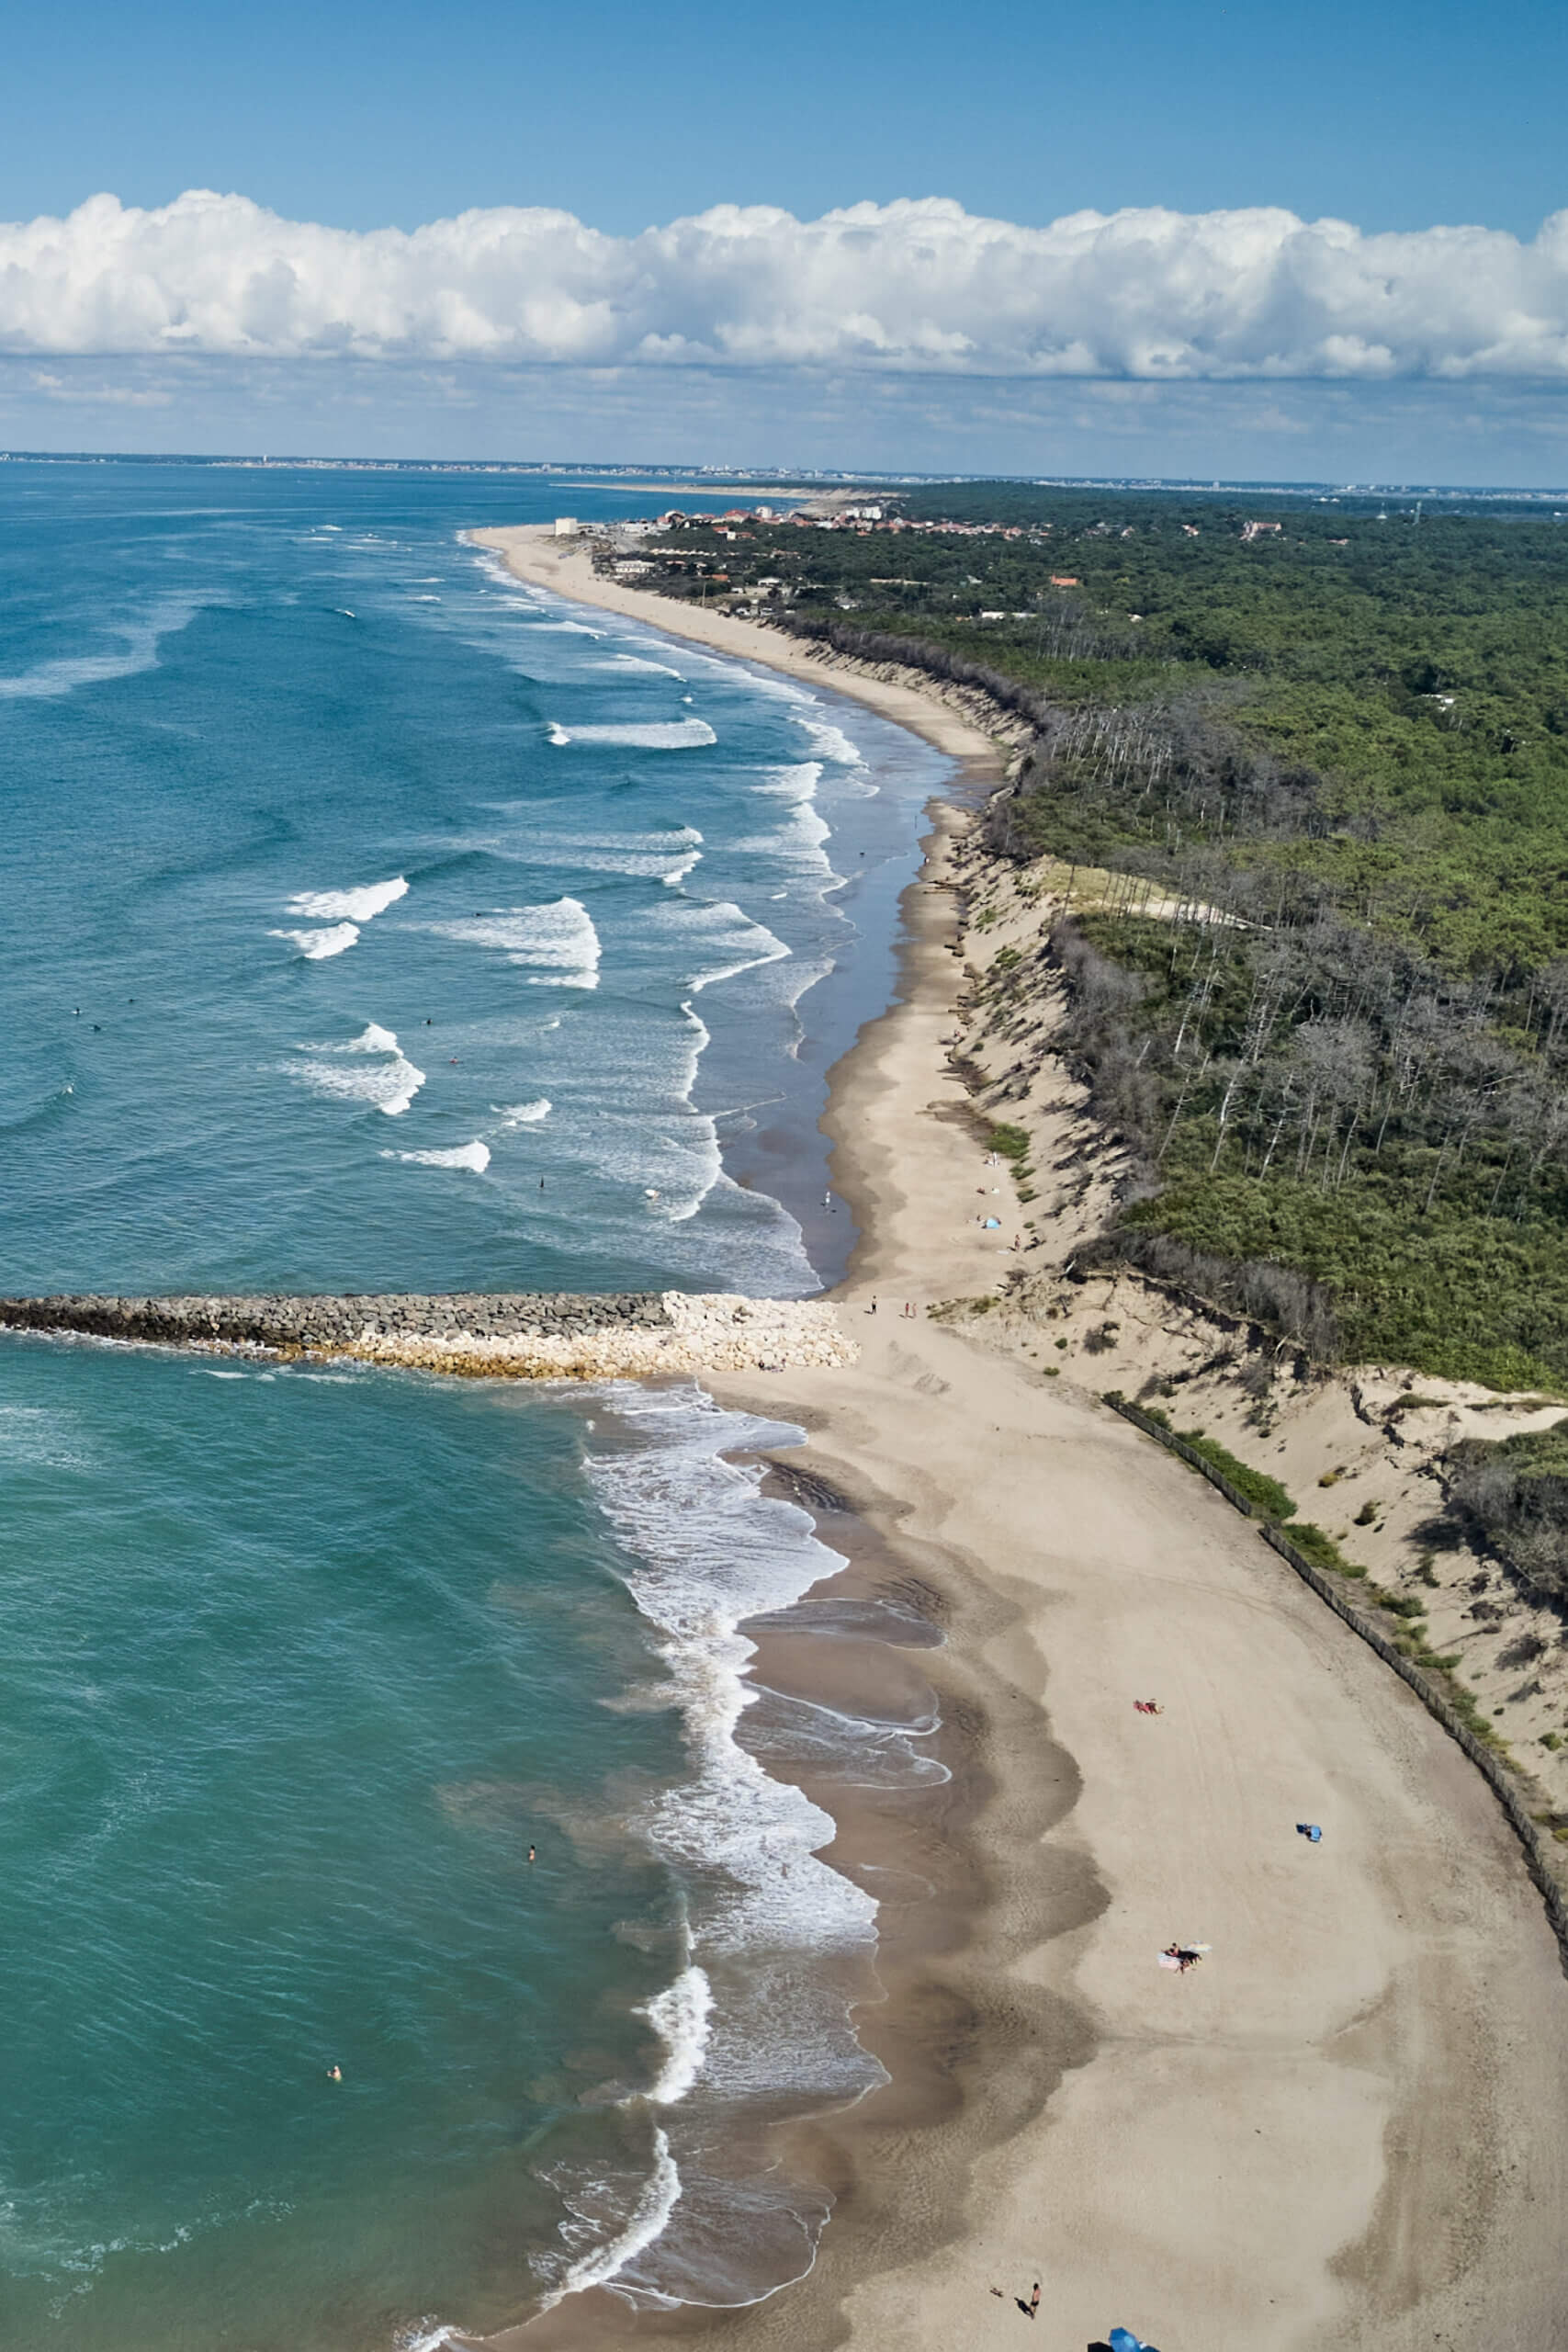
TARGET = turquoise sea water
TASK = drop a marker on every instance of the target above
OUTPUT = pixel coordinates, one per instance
(370, 922)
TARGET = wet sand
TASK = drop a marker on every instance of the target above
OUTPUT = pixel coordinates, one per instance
(1345, 2128)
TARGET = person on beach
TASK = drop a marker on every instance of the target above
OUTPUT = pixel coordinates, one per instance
(1034, 2299)
(1183, 1956)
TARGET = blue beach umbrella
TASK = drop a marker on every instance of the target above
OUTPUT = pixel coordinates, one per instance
(1122, 2339)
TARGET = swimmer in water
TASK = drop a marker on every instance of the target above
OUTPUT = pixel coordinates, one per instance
(530, 1853)
(334, 2073)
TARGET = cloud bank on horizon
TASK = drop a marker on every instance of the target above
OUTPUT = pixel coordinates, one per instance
(915, 287)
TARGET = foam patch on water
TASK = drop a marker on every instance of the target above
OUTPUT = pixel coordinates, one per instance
(768, 682)
(521, 1115)
(797, 781)
(777, 1941)
(801, 832)
(658, 2200)
(314, 946)
(475, 1156)
(558, 939)
(139, 641)
(680, 2016)
(666, 857)
(721, 939)
(708, 1551)
(670, 735)
(636, 662)
(831, 743)
(40, 1437)
(360, 905)
(370, 1069)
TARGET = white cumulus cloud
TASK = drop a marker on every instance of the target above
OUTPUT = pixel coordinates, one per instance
(919, 285)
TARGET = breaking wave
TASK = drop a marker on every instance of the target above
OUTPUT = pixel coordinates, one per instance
(316, 945)
(558, 939)
(474, 1155)
(672, 735)
(348, 906)
(371, 1069)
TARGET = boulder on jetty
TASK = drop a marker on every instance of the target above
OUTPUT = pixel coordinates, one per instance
(520, 1334)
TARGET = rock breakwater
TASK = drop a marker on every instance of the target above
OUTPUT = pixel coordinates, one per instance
(519, 1335)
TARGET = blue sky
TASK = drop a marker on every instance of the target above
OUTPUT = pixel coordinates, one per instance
(1393, 117)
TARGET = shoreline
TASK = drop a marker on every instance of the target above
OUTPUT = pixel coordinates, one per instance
(532, 553)
(1263, 2151)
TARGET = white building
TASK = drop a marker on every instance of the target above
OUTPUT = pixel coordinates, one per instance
(566, 526)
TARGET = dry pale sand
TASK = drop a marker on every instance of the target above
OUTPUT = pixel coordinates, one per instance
(1345, 2128)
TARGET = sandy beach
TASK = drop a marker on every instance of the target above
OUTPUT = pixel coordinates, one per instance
(534, 554)
(1345, 2127)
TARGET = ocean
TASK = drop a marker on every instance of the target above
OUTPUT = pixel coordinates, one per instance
(374, 922)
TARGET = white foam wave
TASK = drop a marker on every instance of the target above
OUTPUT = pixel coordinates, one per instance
(521, 1115)
(659, 2197)
(802, 831)
(777, 1943)
(558, 939)
(831, 743)
(666, 856)
(680, 2016)
(636, 662)
(722, 940)
(348, 906)
(709, 1551)
(642, 866)
(316, 945)
(430, 2335)
(768, 682)
(672, 735)
(379, 1074)
(798, 782)
(464, 1155)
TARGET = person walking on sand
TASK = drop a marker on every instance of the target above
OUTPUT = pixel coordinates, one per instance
(1034, 2299)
